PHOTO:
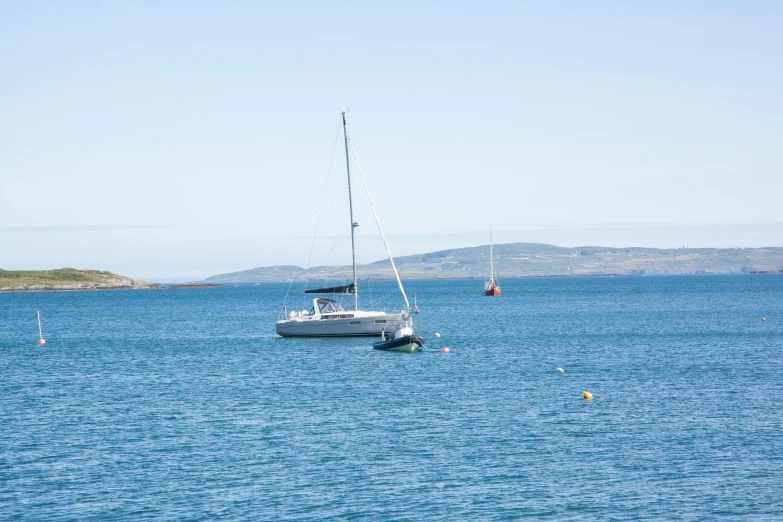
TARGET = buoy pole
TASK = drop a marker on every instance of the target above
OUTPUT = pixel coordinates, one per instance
(40, 333)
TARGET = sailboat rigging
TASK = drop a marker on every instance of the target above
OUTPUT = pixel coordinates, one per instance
(491, 286)
(328, 317)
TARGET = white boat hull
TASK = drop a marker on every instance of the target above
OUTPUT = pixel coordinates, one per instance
(408, 348)
(351, 324)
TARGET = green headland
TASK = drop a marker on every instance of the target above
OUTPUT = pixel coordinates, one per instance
(67, 279)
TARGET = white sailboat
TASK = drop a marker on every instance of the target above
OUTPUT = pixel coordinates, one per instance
(328, 317)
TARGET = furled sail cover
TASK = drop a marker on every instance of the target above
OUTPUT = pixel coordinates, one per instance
(345, 289)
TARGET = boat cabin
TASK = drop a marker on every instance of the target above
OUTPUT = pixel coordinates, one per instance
(323, 305)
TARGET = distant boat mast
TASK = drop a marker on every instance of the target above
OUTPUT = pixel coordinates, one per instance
(491, 264)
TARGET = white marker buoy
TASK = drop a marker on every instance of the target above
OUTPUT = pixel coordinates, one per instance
(560, 370)
(437, 335)
(41, 340)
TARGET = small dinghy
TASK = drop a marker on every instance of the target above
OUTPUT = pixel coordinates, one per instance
(403, 340)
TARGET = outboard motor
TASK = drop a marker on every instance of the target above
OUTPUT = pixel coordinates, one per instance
(402, 332)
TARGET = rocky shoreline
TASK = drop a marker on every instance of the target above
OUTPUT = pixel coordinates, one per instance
(194, 285)
(129, 284)
(87, 286)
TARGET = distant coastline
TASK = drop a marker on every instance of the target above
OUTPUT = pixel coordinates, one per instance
(555, 276)
(522, 260)
(512, 261)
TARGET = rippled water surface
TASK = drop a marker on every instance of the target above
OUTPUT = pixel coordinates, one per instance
(184, 404)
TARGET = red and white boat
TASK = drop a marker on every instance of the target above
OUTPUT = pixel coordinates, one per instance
(491, 286)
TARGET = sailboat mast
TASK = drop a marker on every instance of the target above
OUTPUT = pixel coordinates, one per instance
(353, 223)
(491, 263)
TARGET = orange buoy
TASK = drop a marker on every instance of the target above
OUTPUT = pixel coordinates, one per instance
(445, 349)
(41, 341)
(587, 396)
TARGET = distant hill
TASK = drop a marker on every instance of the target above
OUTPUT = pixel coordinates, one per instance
(536, 260)
(67, 279)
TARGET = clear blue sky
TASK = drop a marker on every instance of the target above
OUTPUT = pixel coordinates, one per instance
(176, 140)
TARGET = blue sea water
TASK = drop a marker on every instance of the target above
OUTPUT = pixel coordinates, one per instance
(185, 405)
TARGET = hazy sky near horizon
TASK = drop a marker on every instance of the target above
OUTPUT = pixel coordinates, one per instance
(176, 140)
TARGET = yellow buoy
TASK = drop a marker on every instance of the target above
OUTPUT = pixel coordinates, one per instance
(587, 396)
